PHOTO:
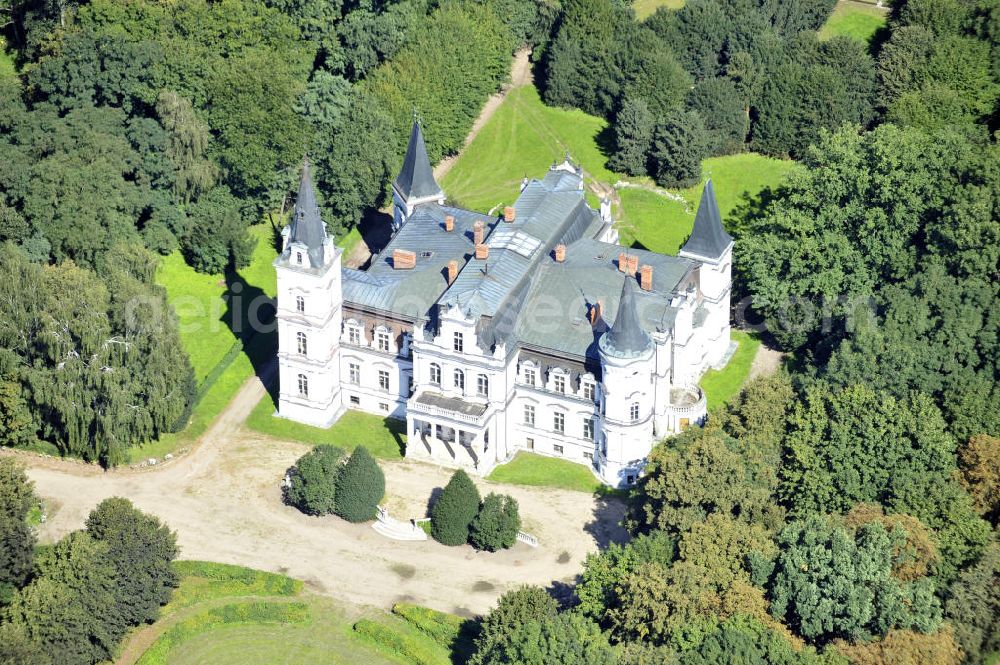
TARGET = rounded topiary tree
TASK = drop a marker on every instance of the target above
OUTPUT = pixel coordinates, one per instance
(455, 510)
(312, 481)
(360, 487)
(496, 525)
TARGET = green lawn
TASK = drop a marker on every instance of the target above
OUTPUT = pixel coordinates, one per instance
(384, 437)
(6, 60)
(662, 224)
(541, 471)
(854, 19)
(232, 615)
(645, 8)
(722, 386)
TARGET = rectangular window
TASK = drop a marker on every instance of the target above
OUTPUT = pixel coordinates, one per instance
(300, 303)
(588, 390)
(435, 374)
(383, 380)
(529, 377)
(559, 383)
(383, 406)
(355, 373)
(633, 411)
(529, 444)
(559, 422)
(354, 335)
(529, 415)
(355, 400)
(383, 341)
(588, 429)
(409, 385)
(459, 342)
(482, 385)
(557, 449)
(589, 457)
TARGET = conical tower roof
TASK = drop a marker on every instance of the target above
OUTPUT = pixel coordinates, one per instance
(416, 178)
(626, 339)
(708, 238)
(307, 224)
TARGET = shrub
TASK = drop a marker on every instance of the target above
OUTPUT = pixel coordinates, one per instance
(454, 511)
(313, 481)
(360, 487)
(496, 525)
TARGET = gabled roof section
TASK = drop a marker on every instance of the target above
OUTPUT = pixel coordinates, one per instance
(626, 339)
(708, 238)
(307, 225)
(416, 179)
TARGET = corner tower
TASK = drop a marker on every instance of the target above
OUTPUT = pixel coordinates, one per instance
(308, 314)
(712, 247)
(415, 183)
(627, 390)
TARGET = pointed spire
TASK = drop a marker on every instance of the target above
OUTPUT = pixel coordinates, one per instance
(626, 338)
(708, 238)
(416, 178)
(307, 224)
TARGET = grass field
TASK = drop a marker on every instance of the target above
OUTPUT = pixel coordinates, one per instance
(6, 60)
(541, 471)
(231, 615)
(385, 438)
(721, 386)
(645, 8)
(854, 19)
(662, 224)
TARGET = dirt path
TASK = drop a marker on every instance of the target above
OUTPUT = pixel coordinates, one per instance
(767, 361)
(223, 499)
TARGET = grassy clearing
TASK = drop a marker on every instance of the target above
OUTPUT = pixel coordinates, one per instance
(224, 615)
(384, 437)
(662, 224)
(720, 386)
(855, 20)
(646, 8)
(451, 632)
(541, 471)
(6, 60)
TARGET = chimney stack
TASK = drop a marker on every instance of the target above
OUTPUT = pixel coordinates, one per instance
(646, 278)
(482, 252)
(449, 223)
(452, 271)
(560, 253)
(404, 259)
(477, 232)
(622, 262)
(632, 264)
(509, 214)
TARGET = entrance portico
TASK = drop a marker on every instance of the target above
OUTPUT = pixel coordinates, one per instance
(450, 431)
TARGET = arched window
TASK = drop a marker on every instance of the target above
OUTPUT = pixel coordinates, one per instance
(300, 303)
(301, 340)
(303, 385)
(459, 380)
(633, 411)
(436, 374)
(482, 385)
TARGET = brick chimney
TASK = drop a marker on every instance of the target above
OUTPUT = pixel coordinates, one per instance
(623, 262)
(560, 253)
(646, 278)
(509, 214)
(482, 252)
(632, 262)
(449, 223)
(403, 259)
(452, 271)
(477, 232)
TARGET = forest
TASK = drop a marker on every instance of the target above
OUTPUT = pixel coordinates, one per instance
(843, 510)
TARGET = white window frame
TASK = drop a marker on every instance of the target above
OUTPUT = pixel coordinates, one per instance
(435, 374)
(458, 342)
(458, 380)
(483, 385)
(633, 412)
(559, 422)
(300, 304)
(559, 383)
(303, 381)
(354, 373)
(384, 380)
(589, 390)
(301, 343)
(588, 429)
(383, 341)
(529, 415)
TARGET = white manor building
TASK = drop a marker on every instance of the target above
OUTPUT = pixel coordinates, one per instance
(489, 334)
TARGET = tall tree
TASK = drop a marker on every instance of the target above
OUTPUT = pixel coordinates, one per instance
(360, 486)
(634, 126)
(17, 541)
(454, 510)
(680, 142)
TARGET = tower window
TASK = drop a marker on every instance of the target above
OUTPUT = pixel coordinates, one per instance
(529, 415)
(482, 385)
(459, 380)
(559, 422)
(436, 374)
(633, 411)
(300, 339)
(459, 342)
(300, 303)
(303, 385)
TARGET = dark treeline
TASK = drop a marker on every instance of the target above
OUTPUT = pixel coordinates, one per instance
(722, 76)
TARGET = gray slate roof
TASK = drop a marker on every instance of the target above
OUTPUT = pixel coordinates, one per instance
(307, 225)
(709, 237)
(626, 339)
(416, 178)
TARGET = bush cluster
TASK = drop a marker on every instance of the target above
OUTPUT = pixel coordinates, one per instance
(322, 483)
(459, 517)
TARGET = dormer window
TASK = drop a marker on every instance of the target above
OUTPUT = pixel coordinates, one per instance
(382, 337)
(459, 342)
(588, 391)
(298, 258)
(559, 383)
(354, 335)
(529, 377)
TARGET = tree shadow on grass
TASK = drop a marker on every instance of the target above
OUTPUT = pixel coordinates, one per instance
(250, 315)
(397, 428)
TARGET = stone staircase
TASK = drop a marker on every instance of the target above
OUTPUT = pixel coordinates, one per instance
(390, 527)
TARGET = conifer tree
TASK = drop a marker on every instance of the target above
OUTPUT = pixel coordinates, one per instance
(360, 486)
(453, 513)
(633, 136)
(496, 525)
(312, 481)
(679, 145)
